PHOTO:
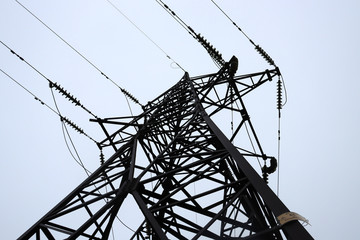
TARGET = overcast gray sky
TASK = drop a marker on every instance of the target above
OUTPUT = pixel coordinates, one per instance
(315, 44)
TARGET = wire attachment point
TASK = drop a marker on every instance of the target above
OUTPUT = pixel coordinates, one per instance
(265, 55)
(64, 93)
(126, 93)
(71, 124)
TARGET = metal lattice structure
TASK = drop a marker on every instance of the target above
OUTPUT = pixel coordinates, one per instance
(161, 154)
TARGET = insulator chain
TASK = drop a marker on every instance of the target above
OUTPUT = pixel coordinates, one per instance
(211, 50)
(279, 94)
(64, 93)
(102, 158)
(68, 96)
(268, 170)
(126, 93)
(73, 125)
(265, 55)
(265, 176)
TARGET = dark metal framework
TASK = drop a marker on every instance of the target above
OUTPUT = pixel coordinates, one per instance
(161, 154)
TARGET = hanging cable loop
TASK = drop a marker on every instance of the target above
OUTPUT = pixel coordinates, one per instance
(102, 158)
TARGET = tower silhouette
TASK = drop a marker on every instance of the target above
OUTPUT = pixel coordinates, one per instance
(162, 153)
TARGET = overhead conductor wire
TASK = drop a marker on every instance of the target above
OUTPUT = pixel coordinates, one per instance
(143, 33)
(126, 93)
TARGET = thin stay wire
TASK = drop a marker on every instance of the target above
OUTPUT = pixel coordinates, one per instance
(143, 33)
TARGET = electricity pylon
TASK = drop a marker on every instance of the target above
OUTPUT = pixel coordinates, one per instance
(162, 154)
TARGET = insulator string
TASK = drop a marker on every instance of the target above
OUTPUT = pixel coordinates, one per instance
(279, 96)
(126, 93)
(214, 54)
(64, 129)
(69, 96)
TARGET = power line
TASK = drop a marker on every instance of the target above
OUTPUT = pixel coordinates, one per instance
(74, 49)
(35, 97)
(62, 118)
(143, 33)
(51, 83)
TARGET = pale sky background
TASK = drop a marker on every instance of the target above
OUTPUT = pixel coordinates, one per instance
(315, 44)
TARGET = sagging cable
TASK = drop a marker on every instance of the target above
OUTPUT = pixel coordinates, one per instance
(214, 54)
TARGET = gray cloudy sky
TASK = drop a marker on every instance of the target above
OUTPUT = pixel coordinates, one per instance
(315, 44)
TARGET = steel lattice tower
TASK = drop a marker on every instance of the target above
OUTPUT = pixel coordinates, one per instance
(159, 156)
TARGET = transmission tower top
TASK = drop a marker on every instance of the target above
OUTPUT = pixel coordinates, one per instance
(165, 152)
